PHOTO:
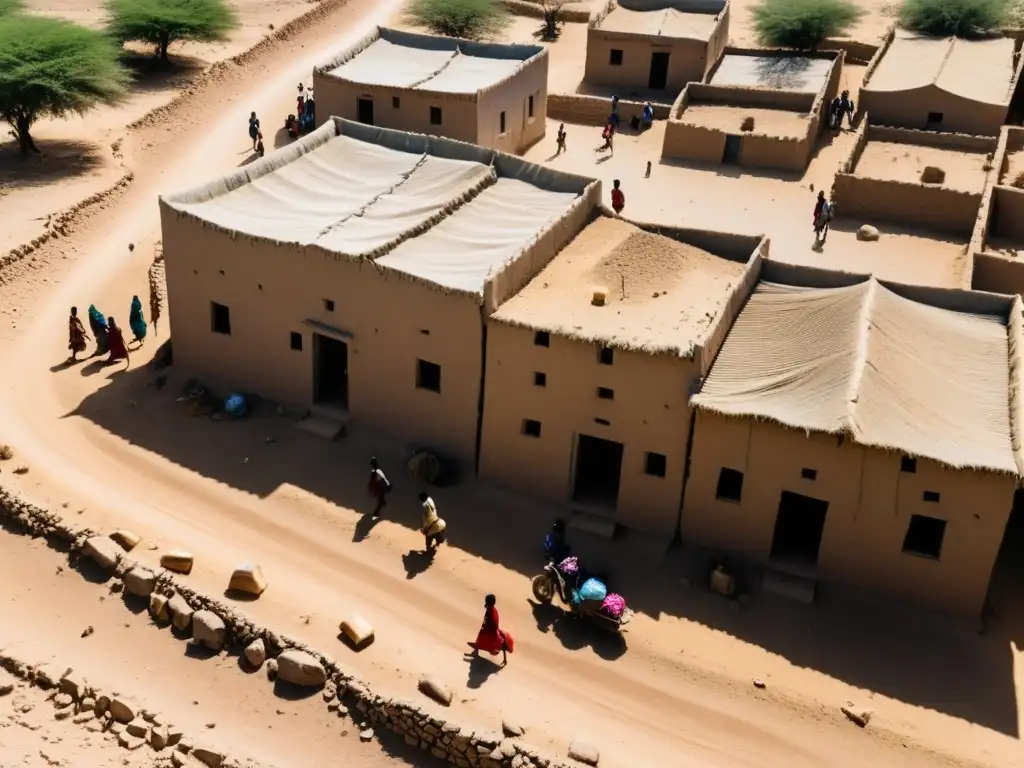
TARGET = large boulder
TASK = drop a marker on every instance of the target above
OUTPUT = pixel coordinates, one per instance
(301, 668)
(256, 653)
(103, 551)
(121, 710)
(140, 581)
(584, 752)
(436, 690)
(209, 757)
(158, 607)
(358, 631)
(209, 629)
(248, 578)
(125, 539)
(181, 612)
(177, 560)
(867, 233)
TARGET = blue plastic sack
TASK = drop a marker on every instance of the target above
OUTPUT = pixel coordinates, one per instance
(593, 589)
(235, 405)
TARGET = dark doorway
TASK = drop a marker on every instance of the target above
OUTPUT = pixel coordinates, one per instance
(598, 468)
(330, 370)
(364, 111)
(659, 71)
(731, 153)
(798, 528)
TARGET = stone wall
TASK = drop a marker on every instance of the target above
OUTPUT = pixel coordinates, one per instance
(344, 692)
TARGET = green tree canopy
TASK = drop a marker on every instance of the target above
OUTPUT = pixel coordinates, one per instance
(9, 6)
(470, 19)
(162, 22)
(802, 24)
(50, 67)
(963, 18)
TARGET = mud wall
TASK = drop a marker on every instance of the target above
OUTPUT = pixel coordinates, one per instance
(594, 110)
(910, 109)
(516, 96)
(534, 10)
(998, 274)
(1008, 214)
(937, 208)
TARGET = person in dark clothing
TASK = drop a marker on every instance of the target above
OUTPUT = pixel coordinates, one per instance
(845, 109)
(555, 546)
(254, 129)
(379, 487)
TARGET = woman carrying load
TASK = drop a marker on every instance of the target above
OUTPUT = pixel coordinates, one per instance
(491, 638)
(136, 321)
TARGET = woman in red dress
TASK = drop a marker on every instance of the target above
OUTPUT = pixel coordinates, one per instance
(490, 637)
(118, 349)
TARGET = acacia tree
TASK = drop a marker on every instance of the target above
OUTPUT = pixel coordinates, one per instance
(51, 68)
(802, 24)
(470, 19)
(9, 6)
(162, 22)
(962, 18)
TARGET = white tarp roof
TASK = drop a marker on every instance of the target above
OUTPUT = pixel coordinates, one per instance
(665, 22)
(785, 73)
(980, 70)
(864, 361)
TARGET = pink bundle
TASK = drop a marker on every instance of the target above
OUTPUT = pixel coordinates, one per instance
(614, 605)
(569, 565)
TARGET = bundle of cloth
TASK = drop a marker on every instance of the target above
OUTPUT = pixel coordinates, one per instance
(614, 605)
(570, 565)
(593, 590)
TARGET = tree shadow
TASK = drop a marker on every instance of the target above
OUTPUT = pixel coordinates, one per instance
(56, 161)
(150, 73)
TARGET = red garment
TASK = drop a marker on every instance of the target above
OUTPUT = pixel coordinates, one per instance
(116, 345)
(490, 637)
(618, 200)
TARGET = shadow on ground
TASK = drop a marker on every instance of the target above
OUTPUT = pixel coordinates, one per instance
(150, 74)
(56, 161)
(894, 650)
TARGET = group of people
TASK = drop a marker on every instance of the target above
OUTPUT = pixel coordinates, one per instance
(106, 332)
(840, 107)
(491, 638)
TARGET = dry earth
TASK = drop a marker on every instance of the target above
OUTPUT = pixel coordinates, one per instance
(113, 449)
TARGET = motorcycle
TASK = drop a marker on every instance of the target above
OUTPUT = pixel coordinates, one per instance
(553, 582)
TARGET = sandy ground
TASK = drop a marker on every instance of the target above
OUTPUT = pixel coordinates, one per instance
(113, 449)
(1014, 167)
(767, 122)
(889, 161)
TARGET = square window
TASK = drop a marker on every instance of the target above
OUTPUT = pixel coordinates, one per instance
(908, 464)
(603, 422)
(655, 464)
(529, 106)
(605, 356)
(428, 376)
(220, 318)
(396, 103)
(935, 117)
(730, 485)
(328, 305)
(605, 394)
(924, 536)
(501, 123)
(932, 497)
(531, 428)
(809, 474)
(435, 115)
(616, 57)
(540, 379)
(296, 341)
(542, 339)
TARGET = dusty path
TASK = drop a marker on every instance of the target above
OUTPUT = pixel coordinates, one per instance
(644, 708)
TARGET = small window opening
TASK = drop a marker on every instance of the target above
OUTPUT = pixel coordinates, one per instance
(259, 286)
(501, 123)
(809, 474)
(428, 376)
(396, 103)
(542, 339)
(540, 379)
(924, 536)
(529, 107)
(605, 356)
(615, 59)
(655, 464)
(931, 496)
(221, 272)
(531, 428)
(425, 331)
(603, 422)
(296, 341)
(605, 394)
(329, 305)
(934, 118)
(435, 115)
(730, 485)
(908, 464)
(220, 318)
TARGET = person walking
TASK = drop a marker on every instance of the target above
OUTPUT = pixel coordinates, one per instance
(379, 487)
(618, 198)
(98, 324)
(136, 321)
(434, 527)
(254, 129)
(76, 335)
(115, 343)
(491, 638)
(560, 140)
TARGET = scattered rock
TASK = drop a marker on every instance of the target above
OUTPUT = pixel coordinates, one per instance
(209, 757)
(209, 629)
(88, 704)
(510, 728)
(932, 175)
(366, 735)
(72, 685)
(435, 690)
(358, 631)
(87, 631)
(64, 712)
(121, 711)
(159, 737)
(758, 683)
(181, 612)
(180, 760)
(63, 700)
(256, 653)
(860, 715)
(248, 578)
(141, 730)
(301, 668)
(158, 607)
(125, 539)
(83, 717)
(272, 669)
(102, 705)
(584, 752)
(140, 581)
(6, 683)
(867, 233)
(177, 560)
(174, 735)
(103, 551)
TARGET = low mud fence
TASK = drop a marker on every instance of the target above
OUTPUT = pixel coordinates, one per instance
(594, 110)
(343, 691)
(536, 11)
